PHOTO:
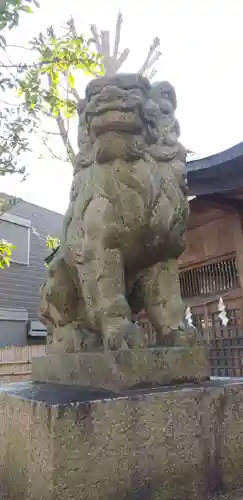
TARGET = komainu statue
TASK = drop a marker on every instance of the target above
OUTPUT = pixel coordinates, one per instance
(125, 225)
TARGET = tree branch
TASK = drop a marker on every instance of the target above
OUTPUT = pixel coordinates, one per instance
(94, 32)
(9, 103)
(75, 93)
(61, 126)
(19, 47)
(49, 132)
(59, 158)
(152, 52)
(72, 26)
(105, 45)
(122, 59)
(112, 60)
(65, 138)
(117, 35)
(72, 91)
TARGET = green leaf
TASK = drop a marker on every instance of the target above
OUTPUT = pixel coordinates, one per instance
(5, 253)
(52, 243)
(16, 3)
(2, 42)
(26, 8)
(15, 20)
(71, 81)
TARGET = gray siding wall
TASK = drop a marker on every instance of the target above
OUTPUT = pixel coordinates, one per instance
(20, 284)
(12, 333)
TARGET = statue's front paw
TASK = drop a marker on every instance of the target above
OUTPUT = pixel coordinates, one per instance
(187, 337)
(182, 337)
(123, 334)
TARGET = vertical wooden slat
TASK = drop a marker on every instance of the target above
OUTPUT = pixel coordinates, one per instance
(235, 273)
(232, 273)
(238, 241)
(209, 279)
(227, 266)
(15, 362)
(194, 292)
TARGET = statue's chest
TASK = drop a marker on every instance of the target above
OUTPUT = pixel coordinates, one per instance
(126, 181)
(129, 189)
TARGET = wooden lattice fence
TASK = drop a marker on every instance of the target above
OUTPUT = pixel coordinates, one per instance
(15, 362)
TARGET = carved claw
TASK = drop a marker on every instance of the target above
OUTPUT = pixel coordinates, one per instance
(126, 334)
(182, 337)
(187, 337)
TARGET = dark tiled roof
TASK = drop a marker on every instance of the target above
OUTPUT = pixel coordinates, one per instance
(233, 153)
(220, 172)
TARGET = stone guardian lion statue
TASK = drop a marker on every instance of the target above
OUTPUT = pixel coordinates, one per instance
(125, 225)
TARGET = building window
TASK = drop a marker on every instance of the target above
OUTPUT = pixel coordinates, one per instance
(16, 230)
(209, 279)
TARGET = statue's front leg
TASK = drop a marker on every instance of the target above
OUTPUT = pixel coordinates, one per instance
(113, 309)
(164, 306)
(107, 299)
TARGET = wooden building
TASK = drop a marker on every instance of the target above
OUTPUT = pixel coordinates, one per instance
(211, 267)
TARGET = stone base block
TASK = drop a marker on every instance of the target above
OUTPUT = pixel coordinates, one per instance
(178, 443)
(124, 369)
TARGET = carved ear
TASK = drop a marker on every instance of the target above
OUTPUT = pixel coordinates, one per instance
(168, 89)
(164, 89)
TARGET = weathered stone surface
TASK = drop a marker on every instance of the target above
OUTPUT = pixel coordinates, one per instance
(125, 225)
(233, 495)
(120, 370)
(170, 444)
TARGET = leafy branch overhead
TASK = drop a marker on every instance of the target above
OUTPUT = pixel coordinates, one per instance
(54, 60)
(15, 122)
(15, 127)
(10, 11)
(12, 126)
(57, 59)
(46, 84)
(49, 86)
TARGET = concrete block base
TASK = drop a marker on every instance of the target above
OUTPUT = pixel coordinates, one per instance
(124, 369)
(174, 443)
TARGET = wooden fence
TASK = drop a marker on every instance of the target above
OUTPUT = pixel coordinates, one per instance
(15, 362)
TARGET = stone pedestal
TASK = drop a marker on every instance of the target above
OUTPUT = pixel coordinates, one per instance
(124, 369)
(178, 443)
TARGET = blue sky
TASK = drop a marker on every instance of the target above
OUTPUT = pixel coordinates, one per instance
(202, 56)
